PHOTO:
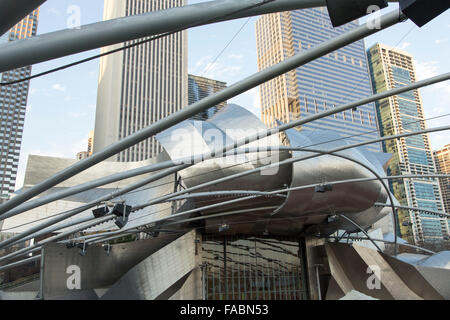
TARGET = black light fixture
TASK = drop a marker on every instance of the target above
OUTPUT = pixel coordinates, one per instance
(121, 209)
(83, 248)
(344, 11)
(100, 212)
(122, 212)
(121, 222)
(322, 188)
(423, 11)
(70, 245)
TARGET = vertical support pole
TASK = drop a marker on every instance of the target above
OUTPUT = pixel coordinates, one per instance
(204, 267)
(41, 276)
(225, 278)
(304, 267)
(316, 269)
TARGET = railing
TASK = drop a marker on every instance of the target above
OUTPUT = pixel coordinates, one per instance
(18, 282)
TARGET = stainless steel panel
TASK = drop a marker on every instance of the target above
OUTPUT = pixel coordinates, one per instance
(153, 276)
(98, 269)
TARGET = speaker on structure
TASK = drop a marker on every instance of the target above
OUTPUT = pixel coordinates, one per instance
(100, 212)
(423, 11)
(121, 222)
(344, 11)
(121, 210)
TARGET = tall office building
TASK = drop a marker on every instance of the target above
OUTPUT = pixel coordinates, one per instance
(13, 102)
(201, 87)
(442, 162)
(90, 144)
(392, 68)
(330, 81)
(140, 85)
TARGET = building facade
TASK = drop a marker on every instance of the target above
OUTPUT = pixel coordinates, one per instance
(140, 85)
(330, 81)
(13, 102)
(201, 87)
(90, 146)
(392, 68)
(442, 162)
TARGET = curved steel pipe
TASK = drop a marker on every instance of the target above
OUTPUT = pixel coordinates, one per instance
(195, 159)
(38, 246)
(242, 86)
(96, 35)
(390, 242)
(416, 209)
(364, 231)
(163, 198)
(91, 204)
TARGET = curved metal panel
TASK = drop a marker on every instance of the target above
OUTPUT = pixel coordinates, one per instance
(345, 197)
(154, 275)
(226, 126)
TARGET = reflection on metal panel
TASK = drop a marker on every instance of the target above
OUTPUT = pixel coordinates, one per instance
(251, 268)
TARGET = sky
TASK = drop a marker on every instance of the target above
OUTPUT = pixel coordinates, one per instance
(61, 106)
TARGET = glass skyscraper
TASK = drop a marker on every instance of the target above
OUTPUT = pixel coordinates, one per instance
(442, 162)
(330, 81)
(392, 68)
(201, 87)
(13, 102)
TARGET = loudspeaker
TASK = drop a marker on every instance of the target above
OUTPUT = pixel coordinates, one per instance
(121, 222)
(344, 11)
(423, 11)
(121, 210)
(100, 212)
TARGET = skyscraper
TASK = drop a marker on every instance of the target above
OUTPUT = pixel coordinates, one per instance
(90, 144)
(140, 85)
(88, 152)
(201, 87)
(330, 81)
(442, 162)
(392, 68)
(13, 102)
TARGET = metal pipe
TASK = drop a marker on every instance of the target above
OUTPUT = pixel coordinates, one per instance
(284, 162)
(415, 209)
(163, 198)
(208, 102)
(228, 193)
(19, 263)
(333, 153)
(91, 204)
(364, 231)
(84, 187)
(390, 242)
(12, 11)
(192, 160)
(96, 35)
(41, 277)
(290, 160)
(39, 245)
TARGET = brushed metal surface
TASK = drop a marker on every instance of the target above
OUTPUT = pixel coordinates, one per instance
(157, 273)
(98, 269)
